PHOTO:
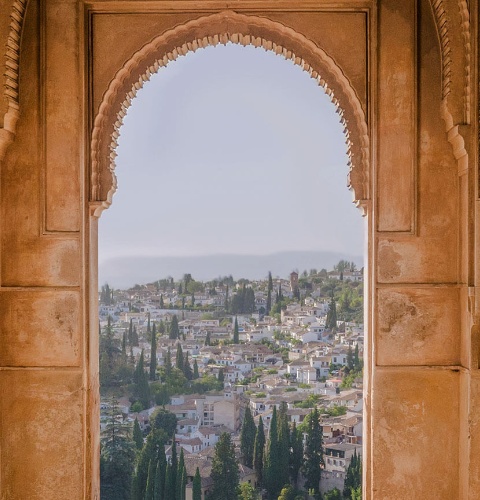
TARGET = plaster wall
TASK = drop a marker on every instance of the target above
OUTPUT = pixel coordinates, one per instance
(405, 76)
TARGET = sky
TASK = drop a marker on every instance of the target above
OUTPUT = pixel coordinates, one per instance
(230, 150)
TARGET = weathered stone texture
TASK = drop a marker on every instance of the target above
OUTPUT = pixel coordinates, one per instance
(42, 435)
(40, 328)
(422, 324)
(416, 415)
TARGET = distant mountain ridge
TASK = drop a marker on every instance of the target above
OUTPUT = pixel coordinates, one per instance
(123, 272)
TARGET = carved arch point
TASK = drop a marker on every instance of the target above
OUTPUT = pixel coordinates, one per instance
(11, 75)
(452, 47)
(222, 28)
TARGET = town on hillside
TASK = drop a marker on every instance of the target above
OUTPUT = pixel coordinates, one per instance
(267, 374)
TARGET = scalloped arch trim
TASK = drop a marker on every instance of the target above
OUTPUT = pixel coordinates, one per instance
(217, 29)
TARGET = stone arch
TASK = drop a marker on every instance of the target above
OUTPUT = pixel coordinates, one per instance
(223, 27)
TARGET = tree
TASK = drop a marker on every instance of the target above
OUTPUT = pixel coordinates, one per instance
(225, 474)
(164, 420)
(168, 362)
(141, 387)
(152, 451)
(162, 304)
(296, 453)
(313, 452)
(110, 355)
(350, 362)
(247, 492)
(187, 369)
(117, 456)
(357, 363)
(153, 353)
(195, 370)
(150, 487)
(247, 438)
(137, 435)
(174, 331)
(258, 451)
(179, 357)
(174, 462)
(169, 492)
(269, 293)
(287, 493)
(197, 486)
(353, 477)
(334, 494)
(357, 494)
(207, 339)
(159, 480)
(331, 321)
(235, 332)
(283, 433)
(221, 376)
(273, 481)
(181, 479)
(130, 333)
(161, 327)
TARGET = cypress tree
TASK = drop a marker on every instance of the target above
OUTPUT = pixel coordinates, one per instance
(195, 370)
(142, 389)
(150, 452)
(169, 492)
(224, 473)
(135, 336)
(124, 346)
(148, 323)
(269, 293)
(353, 477)
(187, 369)
(221, 376)
(137, 435)
(207, 339)
(174, 331)
(161, 327)
(258, 451)
(296, 454)
(174, 462)
(357, 364)
(130, 333)
(272, 469)
(350, 362)
(168, 362)
(283, 441)
(179, 357)
(153, 354)
(162, 304)
(247, 438)
(159, 481)
(197, 486)
(235, 332)
(331, 321)
(150, 488)
(313, 452)
(181, 477)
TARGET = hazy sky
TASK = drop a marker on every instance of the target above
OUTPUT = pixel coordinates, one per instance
(230, 149)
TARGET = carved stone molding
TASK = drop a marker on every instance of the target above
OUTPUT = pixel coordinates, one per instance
(448, 14)
(12, 65)
(221, 28)
(443, 28)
